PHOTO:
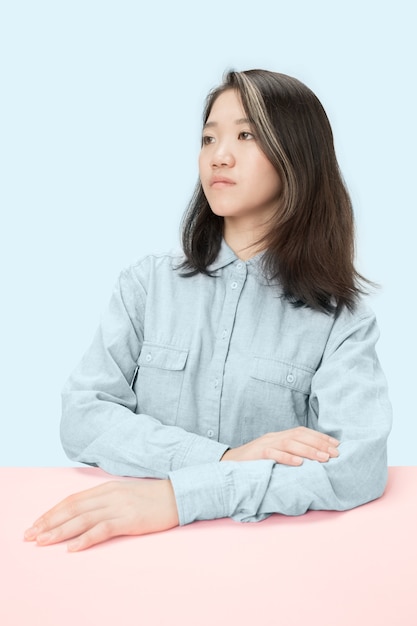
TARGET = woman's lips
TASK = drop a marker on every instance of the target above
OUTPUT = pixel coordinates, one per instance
(220, 182)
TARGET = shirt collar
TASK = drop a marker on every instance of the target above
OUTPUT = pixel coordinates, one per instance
(226, 256)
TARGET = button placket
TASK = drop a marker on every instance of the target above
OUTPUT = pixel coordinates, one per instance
(235, 282)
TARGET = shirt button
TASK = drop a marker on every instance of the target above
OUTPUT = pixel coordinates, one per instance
(224, 333)
(149, 357)
(216, 382)
(234, 285)
(210, 433)
(290, 378)
(239, 266)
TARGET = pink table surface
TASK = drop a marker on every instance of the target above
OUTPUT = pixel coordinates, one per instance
(355, 568)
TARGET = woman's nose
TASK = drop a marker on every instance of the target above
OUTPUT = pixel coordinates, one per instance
(222, 157)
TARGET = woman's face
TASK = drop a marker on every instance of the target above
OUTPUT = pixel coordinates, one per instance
(238, 180)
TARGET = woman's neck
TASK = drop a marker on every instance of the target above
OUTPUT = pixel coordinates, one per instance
(243, 239)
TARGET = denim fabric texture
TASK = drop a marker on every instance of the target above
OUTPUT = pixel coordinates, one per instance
(182, 368)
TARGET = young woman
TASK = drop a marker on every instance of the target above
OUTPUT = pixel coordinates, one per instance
(242, 374)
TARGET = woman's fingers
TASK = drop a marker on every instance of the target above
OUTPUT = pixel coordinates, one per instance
(304, 451)
(307, 443)
(311, 437)
(288, 447)
(71, 507)
(113, 509)
(284, 458)
(72, 528)
(104, 530)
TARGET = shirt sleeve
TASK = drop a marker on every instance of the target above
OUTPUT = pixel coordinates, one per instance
(349, 401)
(99, 424)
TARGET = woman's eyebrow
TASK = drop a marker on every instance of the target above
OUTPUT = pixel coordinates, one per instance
(239, 122)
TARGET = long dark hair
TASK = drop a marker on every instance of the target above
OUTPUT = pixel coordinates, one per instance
(309, 246)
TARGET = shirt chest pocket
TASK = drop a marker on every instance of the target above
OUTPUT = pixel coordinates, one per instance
(159, 381)
(277, 397)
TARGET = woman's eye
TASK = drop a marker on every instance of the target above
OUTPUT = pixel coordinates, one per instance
(245, 135)
(207, 140)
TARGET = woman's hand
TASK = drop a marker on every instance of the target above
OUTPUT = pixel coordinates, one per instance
(288, 447)
(109, 510)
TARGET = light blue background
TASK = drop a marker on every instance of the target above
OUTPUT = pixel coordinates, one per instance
(100, 112)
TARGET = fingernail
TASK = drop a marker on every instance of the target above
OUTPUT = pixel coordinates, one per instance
(322, 455)
(44, 537)
(31, 533)
(333, 451)
(73, 545)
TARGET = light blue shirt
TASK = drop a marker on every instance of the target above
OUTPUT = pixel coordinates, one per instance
(181, 369)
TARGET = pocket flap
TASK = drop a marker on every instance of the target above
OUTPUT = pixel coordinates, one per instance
(162, 357)
(282, 373)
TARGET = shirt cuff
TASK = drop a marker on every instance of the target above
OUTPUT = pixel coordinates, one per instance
(215, 490)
